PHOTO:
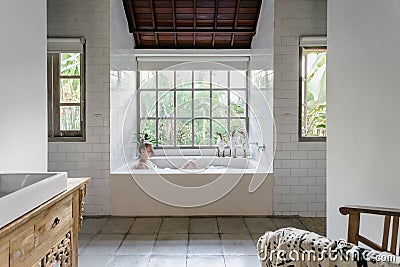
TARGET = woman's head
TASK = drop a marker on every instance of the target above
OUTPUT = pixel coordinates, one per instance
(146, 149)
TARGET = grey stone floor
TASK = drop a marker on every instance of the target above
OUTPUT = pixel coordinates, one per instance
(180, 241)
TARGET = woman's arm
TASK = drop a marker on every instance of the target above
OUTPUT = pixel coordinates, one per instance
(142, 166)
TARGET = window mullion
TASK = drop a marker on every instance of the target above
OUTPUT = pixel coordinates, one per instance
(211, 89)
(228, 131)
(50, 105)
(175, 107)
(304, 98)
(157, 117)
(56, 95)
(246, 115)
(192, 120)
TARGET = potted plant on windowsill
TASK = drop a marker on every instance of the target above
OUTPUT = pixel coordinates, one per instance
(144, 137)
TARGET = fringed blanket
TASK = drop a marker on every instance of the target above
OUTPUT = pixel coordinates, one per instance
(290, 247)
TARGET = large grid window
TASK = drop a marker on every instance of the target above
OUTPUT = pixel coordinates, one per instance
(187, 108)
(66, 94)
(312, 91)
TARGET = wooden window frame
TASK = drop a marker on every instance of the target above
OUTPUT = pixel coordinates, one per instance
(55, 134)
(302, 138)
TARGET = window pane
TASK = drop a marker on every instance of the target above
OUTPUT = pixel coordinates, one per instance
(147, 79)
(219, 104)
(70, 118)
(184, 104)
(184, 132)
(184, 79)
(166, 104)
(238, 79)
(70, 90)
(165, 79)
(219, 126)
(202, 79)
(166, 132)
(220, 79)
(70, 64)
(202, 132)
(147, 104)
(148, 127)
(202, 104)
(238, 103)
(314, 92)
(238, 128)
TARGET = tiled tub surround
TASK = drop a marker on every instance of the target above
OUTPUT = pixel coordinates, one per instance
(180, 241)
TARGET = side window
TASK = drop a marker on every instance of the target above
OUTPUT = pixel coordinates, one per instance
(66, 92)
(312, 121)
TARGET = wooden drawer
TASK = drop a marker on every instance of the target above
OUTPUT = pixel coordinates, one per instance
(22, 247)
(53, 223)
(4, 253)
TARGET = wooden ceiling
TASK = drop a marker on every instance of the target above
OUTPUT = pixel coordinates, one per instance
(204, 24)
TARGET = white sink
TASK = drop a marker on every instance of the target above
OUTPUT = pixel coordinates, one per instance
(22, 192)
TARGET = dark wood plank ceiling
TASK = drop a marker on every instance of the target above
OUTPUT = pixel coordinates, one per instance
(205, 24)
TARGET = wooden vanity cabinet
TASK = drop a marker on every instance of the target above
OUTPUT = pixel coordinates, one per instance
(48, 234)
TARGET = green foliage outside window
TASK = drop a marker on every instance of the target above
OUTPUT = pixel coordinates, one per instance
(314, 105)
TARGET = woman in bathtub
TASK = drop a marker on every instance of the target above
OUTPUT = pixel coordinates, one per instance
(146, 151)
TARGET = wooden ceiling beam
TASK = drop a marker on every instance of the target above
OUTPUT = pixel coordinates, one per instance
(257, 15)
(191, 31)
(236, 20)
(174, 22)
(129, 11)
(153, 16)
(215, 22)
(194, 23)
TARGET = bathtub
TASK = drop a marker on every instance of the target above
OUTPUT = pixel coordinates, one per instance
(220, 186)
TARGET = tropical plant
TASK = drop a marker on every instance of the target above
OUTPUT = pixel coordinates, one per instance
(144, 136)
(316, 97)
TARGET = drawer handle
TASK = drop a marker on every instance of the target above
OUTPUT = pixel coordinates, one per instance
(56, 222)
(17, 254)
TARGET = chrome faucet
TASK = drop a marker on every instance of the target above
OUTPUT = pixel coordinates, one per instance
(259, 146)
(243, 143)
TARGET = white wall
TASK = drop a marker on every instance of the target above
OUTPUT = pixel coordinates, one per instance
(89, 19)
(122, 87)
(363, 109)
(299, 167)
(23, 95)
(260, 90)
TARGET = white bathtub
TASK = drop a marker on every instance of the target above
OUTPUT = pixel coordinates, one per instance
(221, 186)
(206, 164)
(22, 192)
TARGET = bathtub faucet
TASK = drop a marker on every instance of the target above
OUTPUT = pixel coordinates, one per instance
(239, 137)
(259, 146)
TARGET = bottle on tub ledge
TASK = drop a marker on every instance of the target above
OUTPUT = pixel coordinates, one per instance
(221, 145)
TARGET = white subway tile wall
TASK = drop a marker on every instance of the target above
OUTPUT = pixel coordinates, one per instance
(299, 168)
(89, 19)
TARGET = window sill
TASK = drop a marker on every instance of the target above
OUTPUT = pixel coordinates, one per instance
(312, 139)
(67, 139)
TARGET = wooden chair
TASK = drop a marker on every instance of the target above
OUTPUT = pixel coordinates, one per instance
(353, 235)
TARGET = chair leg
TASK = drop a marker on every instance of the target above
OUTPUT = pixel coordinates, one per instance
(395, 230)
(353, 228)
(386, 227)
